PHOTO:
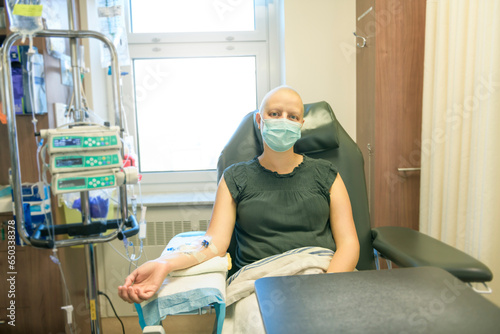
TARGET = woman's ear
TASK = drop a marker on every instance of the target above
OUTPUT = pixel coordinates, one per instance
(258, 119)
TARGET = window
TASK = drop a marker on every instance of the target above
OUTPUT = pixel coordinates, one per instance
(197, 67)
(196, 107)
(172, 16)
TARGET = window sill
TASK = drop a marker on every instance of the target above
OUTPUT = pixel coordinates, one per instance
(178, 199)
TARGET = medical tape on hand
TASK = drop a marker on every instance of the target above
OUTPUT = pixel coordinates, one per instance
(199, 256)
(207, 243)
(195, 248)
(214, 249)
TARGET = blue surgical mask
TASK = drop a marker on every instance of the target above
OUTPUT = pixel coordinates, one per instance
(280, 134)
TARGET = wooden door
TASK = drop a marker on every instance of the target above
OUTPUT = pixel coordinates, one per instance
(33, 292)
(395, 32)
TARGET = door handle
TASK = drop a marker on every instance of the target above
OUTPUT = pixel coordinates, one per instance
(409, 169)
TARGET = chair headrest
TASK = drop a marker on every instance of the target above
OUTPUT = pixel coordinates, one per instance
(319, 132)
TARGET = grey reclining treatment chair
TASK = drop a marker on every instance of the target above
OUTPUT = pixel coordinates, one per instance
(323, 137)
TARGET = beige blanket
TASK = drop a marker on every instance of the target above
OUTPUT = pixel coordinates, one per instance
(242, 312)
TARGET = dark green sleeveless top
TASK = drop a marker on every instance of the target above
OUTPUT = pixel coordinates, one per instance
(279, 212)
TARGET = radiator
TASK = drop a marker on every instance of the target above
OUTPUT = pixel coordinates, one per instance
(160, 233)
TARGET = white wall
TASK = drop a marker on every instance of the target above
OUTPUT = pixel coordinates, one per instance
(320, 54)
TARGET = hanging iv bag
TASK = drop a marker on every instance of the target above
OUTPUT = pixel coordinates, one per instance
(25, 16)
(112, 24)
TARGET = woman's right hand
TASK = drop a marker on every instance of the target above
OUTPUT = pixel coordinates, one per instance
(143, 282)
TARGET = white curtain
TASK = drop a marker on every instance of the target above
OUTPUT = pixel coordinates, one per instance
(460, 178)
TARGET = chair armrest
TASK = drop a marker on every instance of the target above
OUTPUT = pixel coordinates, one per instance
(409, 248)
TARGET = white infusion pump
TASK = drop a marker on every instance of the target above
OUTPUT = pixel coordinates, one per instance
(78, 161)
(93, 180)
(82, 138)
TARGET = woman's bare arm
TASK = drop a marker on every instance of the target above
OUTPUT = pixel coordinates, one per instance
(344, 231)
(143, 282)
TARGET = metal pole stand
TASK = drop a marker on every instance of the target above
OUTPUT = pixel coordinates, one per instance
(86, 233)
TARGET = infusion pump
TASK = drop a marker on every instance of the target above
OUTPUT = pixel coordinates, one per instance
(93, 180)
(83, 138)
(83, 158)
(79, 161)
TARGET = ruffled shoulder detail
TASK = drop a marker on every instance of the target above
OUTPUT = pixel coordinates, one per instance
(236, 178)
(326, 175)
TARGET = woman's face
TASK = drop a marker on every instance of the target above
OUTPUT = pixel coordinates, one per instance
(283, 104)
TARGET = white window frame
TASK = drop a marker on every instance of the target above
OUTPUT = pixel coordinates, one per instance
(266, 43)
(259, 34)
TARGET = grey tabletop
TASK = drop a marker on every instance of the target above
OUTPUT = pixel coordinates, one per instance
(409, 300)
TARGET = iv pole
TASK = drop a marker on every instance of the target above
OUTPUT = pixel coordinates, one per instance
(90, 256)
(88, 234)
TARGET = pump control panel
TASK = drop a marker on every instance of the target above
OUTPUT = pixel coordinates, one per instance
(78, 139)
(71, 162)
(93, 180)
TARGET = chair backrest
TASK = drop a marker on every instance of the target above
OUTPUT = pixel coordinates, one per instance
(322, 137)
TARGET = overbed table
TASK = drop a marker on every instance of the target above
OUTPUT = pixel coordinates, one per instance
(409, 300)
